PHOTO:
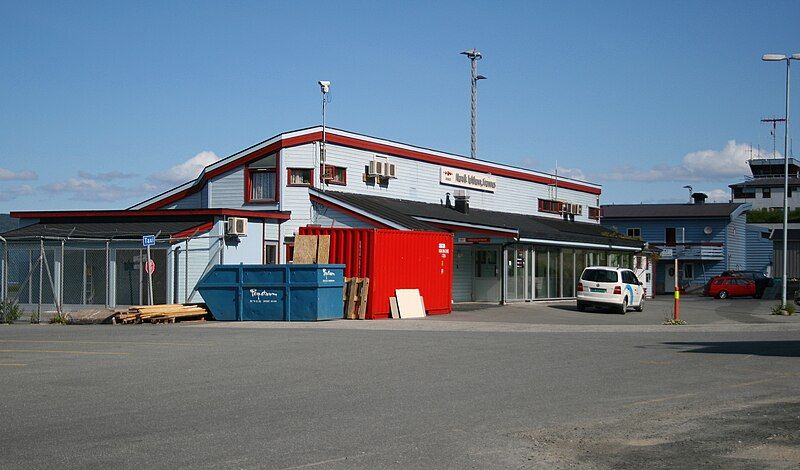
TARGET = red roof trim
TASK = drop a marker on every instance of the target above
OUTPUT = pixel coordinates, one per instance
(374, 147)
(349, 212)
(153, 213)
(202, 228)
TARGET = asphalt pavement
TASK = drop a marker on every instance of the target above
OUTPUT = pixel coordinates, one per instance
(445, 392)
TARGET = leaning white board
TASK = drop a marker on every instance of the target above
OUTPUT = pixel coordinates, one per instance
(409, 303)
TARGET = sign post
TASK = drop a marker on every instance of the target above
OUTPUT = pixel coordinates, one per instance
(150, 266)
(677, 306)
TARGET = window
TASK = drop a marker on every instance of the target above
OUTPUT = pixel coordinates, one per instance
(551, 206)
(299, 176)
(270, 253)
(261, 180)
(599, 275)
(673, 235)
(289, 252)
(594, 213)
(334, 174)
(688, 271)
(629, 278)
(635, 232)
(766, 193)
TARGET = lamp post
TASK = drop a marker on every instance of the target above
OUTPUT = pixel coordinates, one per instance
(787, 59)
(474, 56)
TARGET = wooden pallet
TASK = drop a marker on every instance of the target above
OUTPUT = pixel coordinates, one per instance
(168, 313)
(356, 295)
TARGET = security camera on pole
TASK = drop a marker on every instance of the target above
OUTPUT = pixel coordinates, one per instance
(325, 88)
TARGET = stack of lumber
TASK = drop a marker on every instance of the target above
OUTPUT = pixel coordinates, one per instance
(168, 313)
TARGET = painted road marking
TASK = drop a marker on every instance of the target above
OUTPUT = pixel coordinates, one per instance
(149, 343)
(659, 400)
(58, 351)
(11, 364)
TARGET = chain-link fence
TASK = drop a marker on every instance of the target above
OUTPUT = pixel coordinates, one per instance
(54, 275)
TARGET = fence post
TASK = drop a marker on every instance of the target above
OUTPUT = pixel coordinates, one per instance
(4, 271)
(61, 277)
(108, 274)
(41, 273)
(186, 271)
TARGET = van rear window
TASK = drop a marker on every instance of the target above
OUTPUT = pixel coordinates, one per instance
(600, 275)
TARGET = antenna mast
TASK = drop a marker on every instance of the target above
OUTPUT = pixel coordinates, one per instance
(774, 122)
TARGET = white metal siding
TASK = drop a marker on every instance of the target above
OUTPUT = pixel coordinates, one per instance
(330, 217)
(419, 181)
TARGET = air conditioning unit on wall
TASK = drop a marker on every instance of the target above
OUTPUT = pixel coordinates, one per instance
(237, 226)
(381, 168)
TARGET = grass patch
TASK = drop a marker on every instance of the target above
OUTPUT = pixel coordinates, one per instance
(778, 309)
(9, 311)
(59, 319)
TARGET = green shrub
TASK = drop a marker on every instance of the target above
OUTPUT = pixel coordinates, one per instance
(9, 311)
(778, 309)
(60, 319)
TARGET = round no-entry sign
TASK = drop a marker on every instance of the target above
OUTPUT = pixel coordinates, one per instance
(150, 266)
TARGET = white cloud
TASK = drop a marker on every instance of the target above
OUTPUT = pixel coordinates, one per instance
(187, 170)
(718, 195)
(7, 175)
(703, 165)
(108, 176)
(85, 188)
(574, 173)
(9, 194)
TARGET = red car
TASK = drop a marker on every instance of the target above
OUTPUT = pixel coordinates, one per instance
(723, 287)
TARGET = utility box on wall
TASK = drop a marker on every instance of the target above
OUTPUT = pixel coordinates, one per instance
(395, 259)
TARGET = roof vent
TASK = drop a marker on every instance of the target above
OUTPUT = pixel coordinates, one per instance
(461, 201)
(699, 198)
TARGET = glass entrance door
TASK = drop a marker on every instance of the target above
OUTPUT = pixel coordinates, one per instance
(486, 280)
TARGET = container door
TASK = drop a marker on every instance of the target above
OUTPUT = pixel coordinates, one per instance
(462, 274)
(486, 280)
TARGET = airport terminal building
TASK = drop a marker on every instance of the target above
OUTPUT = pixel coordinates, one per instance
(519, 234)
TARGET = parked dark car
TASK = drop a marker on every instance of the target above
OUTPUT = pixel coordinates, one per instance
(761, 280)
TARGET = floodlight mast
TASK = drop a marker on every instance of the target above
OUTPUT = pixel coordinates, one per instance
(474, 56)
(788, 59)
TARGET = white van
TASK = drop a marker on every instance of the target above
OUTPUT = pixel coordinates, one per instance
(617, 288)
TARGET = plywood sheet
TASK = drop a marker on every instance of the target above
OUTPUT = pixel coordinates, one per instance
(324, 249)
(409, 303)
(394, 312)
(305, 249)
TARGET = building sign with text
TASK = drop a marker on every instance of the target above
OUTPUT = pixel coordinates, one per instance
(467, 179)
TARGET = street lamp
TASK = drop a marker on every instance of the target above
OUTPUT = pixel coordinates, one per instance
(474, 56)
(325, 88)
(787, 59)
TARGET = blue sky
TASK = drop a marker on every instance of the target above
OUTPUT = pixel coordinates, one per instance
(104, 103)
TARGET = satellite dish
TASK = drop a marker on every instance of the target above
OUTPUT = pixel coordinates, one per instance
(707, 230)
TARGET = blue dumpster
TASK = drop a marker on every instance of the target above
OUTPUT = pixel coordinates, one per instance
(274, 292)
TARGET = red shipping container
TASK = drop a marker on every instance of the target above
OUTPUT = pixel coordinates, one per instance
(395, 259)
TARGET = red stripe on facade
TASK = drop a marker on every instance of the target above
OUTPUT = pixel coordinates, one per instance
(154, 213)
(193, 231)
(349, 212)
(373, 147)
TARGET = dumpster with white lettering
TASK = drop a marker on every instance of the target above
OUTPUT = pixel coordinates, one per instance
(274, 292)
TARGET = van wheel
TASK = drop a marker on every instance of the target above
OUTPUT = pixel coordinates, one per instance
(639, 307)
(723, 294)
(623, 309)
(581, 306)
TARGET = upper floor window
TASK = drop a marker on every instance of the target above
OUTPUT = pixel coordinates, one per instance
(635, 232)
(549, 205)
(594, 213)
(334, 174)
(673, 235)
(261, 180)
(300, 176)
